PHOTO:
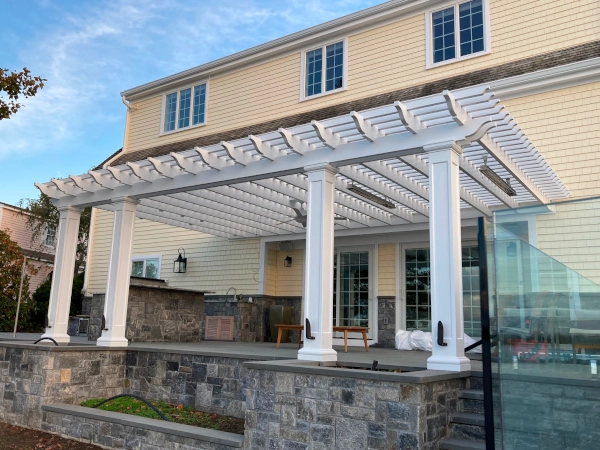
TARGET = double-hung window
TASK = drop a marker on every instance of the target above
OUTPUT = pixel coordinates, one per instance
(324, 69)
(458, 32)
(50, 237)
(146, 267)
(185, 108)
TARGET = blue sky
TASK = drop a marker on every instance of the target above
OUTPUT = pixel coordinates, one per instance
(90, 51)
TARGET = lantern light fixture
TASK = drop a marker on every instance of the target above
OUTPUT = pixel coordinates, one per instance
(287, 262)
(180, 264)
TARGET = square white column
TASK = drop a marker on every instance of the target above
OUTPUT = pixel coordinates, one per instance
(318, 273)
(119, 273)
(446, 257)
(62, 277)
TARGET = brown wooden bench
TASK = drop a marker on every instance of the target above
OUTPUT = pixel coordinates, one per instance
(345, 330)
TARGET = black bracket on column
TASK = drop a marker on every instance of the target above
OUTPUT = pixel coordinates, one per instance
(440, 335)
(103, 326)
(47, 322)
(307, 329)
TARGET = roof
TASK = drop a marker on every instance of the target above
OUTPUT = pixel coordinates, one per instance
(256, 186)
(526, 65)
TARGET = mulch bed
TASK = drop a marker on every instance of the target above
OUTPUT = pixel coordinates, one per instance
(18, 438)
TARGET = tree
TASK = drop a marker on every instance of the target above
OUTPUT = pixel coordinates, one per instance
(42, 215)
(11, 265)
(41, 300)
(14, 85)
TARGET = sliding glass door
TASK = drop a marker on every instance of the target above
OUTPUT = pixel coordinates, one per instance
(352, 305)
(417, 289)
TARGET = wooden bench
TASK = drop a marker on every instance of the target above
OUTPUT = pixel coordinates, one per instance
(345, 330)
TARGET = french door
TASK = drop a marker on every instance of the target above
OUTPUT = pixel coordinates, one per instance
(416, 282)
(352, 291)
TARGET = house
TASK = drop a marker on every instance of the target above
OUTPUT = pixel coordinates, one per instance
(341, 171)
(534, 63)
(40, 256)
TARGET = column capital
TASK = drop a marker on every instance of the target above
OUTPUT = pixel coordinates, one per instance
(446, 145)
(321, 166)
(129, 200)
(69, 208)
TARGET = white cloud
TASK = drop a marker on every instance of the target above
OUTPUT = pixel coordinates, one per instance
(103, 48)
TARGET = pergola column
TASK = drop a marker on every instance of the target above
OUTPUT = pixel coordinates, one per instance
(318, 278)
(119, 273)
(446, 260)
(62, 277)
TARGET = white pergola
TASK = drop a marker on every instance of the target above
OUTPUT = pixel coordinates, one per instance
(410, 162)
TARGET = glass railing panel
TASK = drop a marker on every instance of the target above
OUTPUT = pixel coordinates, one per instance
(545, 271)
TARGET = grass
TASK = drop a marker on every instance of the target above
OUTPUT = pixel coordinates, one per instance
(176, 413)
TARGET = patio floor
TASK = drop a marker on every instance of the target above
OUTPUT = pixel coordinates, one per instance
(265, 351)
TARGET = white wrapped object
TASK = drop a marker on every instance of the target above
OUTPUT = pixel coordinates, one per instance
(403, 340)
(421, 340)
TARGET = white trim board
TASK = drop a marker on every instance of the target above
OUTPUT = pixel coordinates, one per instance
(561, 77)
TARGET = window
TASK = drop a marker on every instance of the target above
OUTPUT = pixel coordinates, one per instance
(185, 108)
(324, 69)
(50, 238)
(146, 267)
(457, 32)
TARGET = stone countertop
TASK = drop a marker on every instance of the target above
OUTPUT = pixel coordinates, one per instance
(161, 284)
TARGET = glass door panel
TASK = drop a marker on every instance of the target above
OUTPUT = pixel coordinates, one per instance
(417, 279)
(351, 280)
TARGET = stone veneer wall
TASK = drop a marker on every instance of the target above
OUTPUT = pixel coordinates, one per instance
(32, 377)
(208, 383)
(298, 411)
(156, 315)
(386, 322)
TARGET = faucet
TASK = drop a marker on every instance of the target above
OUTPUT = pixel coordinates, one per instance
(234, 292)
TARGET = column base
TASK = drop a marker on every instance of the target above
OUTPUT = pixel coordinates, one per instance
(60, 338)
(111, 342)
(317, 354)
(449, 363)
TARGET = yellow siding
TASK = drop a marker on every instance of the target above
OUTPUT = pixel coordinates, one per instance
(379, 60)
(386, 270)
(289, 279)
(214, 264)
(271, 272)
(564, 125)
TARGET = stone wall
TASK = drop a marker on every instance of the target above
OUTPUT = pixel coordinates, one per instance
(122, 431)
(30, 377)
(156, 314)
(207, 383)
(386, 322)
(330, 409)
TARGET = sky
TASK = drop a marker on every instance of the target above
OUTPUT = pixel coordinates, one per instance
(91, 50)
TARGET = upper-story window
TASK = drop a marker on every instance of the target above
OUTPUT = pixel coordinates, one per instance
(324, 70)
(458, 32)
(185, 108)
(50, 237)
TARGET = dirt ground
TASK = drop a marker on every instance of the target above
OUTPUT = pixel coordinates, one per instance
(17, 438)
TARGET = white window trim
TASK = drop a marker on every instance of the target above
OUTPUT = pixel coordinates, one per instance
(145, 258)
(487, 39)
(162, 131)
(304, 97)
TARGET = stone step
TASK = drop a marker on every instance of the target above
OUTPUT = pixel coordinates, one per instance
(467, 418)
(471, 401)
(472, 394)
(461, 444)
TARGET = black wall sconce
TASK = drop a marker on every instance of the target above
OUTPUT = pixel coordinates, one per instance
(180, 264)
(287, 262)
